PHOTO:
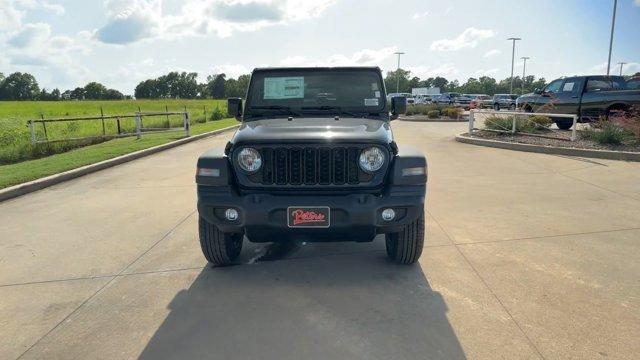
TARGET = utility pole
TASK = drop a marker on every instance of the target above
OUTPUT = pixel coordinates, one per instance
(398, 71)
(613, 25)
(524, 69)
(513, 54)
(621, 65)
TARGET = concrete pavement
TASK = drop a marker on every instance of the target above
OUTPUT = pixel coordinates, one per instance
(527, 256)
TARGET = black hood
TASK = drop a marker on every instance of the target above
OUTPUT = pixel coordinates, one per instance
(316, 130)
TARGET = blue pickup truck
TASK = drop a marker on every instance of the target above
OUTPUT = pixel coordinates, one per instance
(589, 97)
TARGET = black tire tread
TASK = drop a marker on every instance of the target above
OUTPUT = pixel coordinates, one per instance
(405, 247)
(216, 245)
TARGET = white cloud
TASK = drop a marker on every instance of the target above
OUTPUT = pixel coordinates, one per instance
(637, 2)
(469, 38)
(133, 20)
(489, 72)
(366, 57)
(30, 35)
(627, 69)
(130, 21)
(448, 71)
(419, 15)
(492, 52)
(448, 10)
(45, 5)
(231, 70)
(10, 16)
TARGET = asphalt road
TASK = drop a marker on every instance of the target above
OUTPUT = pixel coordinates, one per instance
(527, 256)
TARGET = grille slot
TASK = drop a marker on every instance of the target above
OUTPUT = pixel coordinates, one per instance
(300, 166)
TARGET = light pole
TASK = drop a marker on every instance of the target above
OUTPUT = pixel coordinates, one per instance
(524, 69)
(621, 65)
(513, 54)
(398, 71)
(613, 25)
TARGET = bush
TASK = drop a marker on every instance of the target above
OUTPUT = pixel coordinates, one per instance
(607, 133)
(433, 114)
(452, 112)
(541, 121)
(217, 114)
(499, 123)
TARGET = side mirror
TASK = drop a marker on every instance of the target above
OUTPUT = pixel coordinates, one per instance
(398, 106)
(537, 91)
(234, 108)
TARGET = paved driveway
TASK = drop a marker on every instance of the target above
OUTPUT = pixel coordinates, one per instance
(527, 256)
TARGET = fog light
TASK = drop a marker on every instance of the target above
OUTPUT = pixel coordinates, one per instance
(388, 214)
(231, 214)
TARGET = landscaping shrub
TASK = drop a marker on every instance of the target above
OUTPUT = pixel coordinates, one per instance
(217, 114)
(499, 123)
(433, 114)
(607, 132)
(541, 121)
(452, 112)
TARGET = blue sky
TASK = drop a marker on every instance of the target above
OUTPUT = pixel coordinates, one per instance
(67, 43)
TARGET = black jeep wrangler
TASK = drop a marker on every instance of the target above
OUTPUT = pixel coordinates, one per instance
(314, 160)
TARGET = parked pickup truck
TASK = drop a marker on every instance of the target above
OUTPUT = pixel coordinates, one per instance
(314, 160)
(589, 97)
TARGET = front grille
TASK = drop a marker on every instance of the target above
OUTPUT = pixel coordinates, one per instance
(301, 166)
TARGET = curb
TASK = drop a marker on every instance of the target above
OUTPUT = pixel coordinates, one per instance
(39, 184)
(553, 150)
(426, 119)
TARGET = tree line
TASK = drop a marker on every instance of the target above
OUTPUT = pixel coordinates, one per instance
(184, 85)
(23, 86)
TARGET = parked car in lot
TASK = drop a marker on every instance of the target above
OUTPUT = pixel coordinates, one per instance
(408, 96)
(504, 101)
(589, 97)
(448, 98)
(466, 99)
(481, 101)
(422, 99)
(308, 167)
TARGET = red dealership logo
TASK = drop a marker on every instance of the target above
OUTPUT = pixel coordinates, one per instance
(306, 217)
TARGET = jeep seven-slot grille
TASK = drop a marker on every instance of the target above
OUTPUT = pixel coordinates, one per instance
(309, 166)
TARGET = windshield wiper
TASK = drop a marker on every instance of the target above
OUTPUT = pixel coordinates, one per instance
(328, 107)
(286, 109)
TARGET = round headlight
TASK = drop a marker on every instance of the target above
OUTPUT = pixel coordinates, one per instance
(249, 160)
(371, 159)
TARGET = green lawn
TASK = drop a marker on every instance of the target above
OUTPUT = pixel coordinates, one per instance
(15, 139)
(34, 169)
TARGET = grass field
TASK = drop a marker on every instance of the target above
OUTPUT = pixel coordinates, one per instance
(15, 139)
(33, 169)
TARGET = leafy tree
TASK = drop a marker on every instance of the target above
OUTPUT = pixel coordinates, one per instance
(391, 81)
(94, 91)
(54, 95)
(19, 86)
(1, 78)
(216, 86)
(147, 89)
(112, 94)
(440, 82)
(77, 93)
(172, 85)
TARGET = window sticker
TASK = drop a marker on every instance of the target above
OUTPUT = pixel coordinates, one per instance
(567, 87)
(376, 94)
(284, 88)
(370, 102)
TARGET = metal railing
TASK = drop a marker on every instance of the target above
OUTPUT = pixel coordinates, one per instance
(516, 117)
(138, 130)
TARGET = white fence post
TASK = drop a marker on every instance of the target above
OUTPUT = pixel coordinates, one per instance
(471, 121)
(513, 124)
(138, 123)
(573, 128)
(187, 129)
(32, 130)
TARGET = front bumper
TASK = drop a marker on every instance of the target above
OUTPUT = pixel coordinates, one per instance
(354, 217)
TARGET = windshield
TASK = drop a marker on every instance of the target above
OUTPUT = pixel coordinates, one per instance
(313, 90)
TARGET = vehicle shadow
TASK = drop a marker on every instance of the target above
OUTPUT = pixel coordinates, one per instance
(321, 305)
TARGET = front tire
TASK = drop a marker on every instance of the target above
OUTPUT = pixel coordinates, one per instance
(405, 247)
(496, 107)
(564, 124)
(219, 248)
